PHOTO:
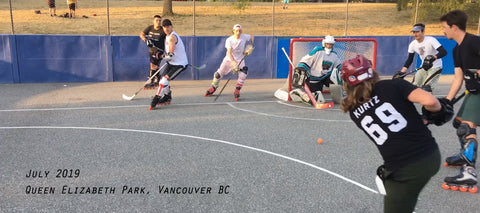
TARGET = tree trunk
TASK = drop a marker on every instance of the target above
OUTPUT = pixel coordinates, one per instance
(167, 8)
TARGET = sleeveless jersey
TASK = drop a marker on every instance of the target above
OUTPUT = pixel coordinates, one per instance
(237, 46)
(180, 56)
(319, 63)
(392, 122)
(428, 46)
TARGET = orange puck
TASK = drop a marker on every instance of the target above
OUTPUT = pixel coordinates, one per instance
(320, 140)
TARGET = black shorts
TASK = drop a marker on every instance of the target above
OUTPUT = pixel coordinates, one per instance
(318, 85)
(51, 3)
(71, 6)
(155, 57)
(173, 70)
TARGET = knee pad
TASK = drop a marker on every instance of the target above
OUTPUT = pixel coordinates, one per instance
(469, 151)
(244, 70)
(464, 130)
(217, 75)
(163, 87)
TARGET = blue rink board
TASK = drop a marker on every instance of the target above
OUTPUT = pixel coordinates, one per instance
(84, 58)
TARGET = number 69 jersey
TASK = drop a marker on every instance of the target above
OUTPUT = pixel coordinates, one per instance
(392, 122)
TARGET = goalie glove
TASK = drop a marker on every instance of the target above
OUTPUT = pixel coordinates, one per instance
(168, 56)
(428, 62)
(441, 117)
(248, 50)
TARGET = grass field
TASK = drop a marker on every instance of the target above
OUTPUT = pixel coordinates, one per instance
(213, 18)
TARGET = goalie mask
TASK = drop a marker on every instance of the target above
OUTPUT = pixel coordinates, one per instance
(356, 70)
(328, 40)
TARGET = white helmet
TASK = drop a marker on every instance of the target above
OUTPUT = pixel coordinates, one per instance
(328, 40)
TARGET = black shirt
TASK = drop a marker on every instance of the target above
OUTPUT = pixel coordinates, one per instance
(157, 36)
(467, 54)
(392, 122)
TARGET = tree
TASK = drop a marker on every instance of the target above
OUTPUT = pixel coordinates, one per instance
(167, 8)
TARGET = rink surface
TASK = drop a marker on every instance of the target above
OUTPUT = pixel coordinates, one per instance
(105, 154)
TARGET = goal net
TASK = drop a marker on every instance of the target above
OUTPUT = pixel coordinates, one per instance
(344, 47)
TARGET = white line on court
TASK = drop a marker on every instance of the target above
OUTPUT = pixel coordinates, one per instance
(288, 117)
(201, 138)
(124, 106)
(304, 107)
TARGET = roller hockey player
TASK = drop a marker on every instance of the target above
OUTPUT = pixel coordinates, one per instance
(237, 50)
(466, 58)
(154, 37)
(176, 58)
(318, 68)
(385, 111)
(430, 51)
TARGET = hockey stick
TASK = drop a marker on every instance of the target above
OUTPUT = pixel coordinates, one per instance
(456, 99)
(129, 98)
(407, 73)
(308, 92)
(198, 68)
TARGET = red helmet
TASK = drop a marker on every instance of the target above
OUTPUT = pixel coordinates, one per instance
(356, 70)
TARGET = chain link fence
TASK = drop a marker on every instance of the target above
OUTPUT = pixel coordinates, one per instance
(216, 18)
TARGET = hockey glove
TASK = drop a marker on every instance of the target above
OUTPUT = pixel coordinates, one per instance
(248, 50)
(149, 43)
(428, 62)
(399, 74)
(168, 56)
(234, 66)
(441, 117)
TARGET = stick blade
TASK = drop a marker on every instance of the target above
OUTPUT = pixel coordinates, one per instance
(202, 67)
(127, 98)
(324, 105)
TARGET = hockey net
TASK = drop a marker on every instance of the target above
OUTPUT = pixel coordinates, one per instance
(345, 48)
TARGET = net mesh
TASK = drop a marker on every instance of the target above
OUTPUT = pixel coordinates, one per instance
(345, 48)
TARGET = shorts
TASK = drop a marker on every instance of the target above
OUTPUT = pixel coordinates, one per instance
(155, 58)
(469, 111)
(71, 6)
(405, 184)
(173, 70)
(51, 3)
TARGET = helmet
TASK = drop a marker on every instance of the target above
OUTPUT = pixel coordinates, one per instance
(328, 40)
(356, 70)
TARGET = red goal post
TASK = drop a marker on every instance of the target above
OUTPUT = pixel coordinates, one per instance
(344, 47)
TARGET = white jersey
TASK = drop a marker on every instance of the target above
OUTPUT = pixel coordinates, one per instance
(428, 46)
(319, 63)
(180, 56)
(237, 46)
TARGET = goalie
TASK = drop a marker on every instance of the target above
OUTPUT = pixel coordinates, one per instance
(317, 69)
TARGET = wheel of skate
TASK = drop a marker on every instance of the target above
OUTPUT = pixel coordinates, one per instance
(474, 189)
(445, 164)
(464, 188)
(445, 186)
(454, 188)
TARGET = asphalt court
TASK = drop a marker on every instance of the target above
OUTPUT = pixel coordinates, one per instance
(259, 154)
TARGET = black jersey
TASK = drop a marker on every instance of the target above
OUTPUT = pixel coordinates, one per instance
(157, 36)
(467, 54)
(392, 122)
